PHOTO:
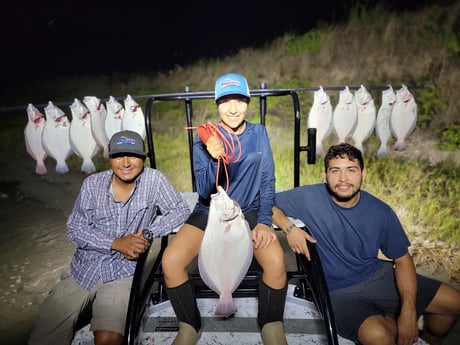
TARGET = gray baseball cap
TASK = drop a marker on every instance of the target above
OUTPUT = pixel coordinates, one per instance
(126, 142)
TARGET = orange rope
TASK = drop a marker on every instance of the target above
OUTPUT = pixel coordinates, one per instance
(229, 145)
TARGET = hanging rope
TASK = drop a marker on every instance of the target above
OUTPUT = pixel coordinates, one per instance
(229, 144)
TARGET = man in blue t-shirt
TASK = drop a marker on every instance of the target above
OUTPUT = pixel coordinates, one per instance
(374, 301)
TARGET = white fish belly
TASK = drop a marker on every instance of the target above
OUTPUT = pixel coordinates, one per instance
(134, 122)
(365, 124)
(345, 118)
(81, 138)
(33, 140)
(403, 119)
(226, 253)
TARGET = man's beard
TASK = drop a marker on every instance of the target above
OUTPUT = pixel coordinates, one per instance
(340, 198)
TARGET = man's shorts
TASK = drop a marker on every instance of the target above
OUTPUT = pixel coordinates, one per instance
(378, 295)
(200, 220)
(68, 305)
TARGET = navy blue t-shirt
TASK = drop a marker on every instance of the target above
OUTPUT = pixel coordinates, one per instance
(348, 239)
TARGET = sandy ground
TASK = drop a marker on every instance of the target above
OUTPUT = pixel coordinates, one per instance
(34, 250)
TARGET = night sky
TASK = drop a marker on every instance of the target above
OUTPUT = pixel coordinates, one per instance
(69, 37)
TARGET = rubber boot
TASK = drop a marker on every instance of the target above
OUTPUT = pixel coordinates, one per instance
(273, 334)
(184, 304)
(270, 315)
(187, 335)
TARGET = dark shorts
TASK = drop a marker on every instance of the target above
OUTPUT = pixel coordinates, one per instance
(378, 295)
(200, 220)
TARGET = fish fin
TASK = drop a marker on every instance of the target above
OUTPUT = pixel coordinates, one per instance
(62, 168)
(225, 307)
(400, 145)
(40, 168)
(382, 151)
(88, 166)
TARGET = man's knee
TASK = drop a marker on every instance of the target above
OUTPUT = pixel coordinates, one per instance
(377, 330)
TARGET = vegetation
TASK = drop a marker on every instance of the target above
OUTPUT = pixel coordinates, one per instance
(374, 47)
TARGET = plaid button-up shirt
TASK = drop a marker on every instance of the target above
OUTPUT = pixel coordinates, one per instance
(96, 220)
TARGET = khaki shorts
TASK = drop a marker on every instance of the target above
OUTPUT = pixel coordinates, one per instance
(70, 307)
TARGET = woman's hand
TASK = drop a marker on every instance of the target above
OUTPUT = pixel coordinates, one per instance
(214, 147)
(263, 235)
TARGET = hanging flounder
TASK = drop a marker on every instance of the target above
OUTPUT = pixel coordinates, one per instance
(115, 112)
(320, 117)
(55, 137)
(98, 116)
(403, 117)
(81, 138)
(345, 115)
(366, 117)
(33, 138)
(382, 126)
(133, 119)
(226, 250)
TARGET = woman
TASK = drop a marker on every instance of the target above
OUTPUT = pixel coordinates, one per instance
(251, 182)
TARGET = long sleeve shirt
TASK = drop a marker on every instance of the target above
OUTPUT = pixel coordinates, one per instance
(251, 179)
(97, 219)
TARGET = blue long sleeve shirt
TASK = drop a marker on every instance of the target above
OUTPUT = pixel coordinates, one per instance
(251, 179)
(97, 219)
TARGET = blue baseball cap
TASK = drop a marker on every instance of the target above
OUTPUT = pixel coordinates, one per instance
(231, 84)
(126, 143)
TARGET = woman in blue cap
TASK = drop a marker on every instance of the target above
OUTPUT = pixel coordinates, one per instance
(251, 182)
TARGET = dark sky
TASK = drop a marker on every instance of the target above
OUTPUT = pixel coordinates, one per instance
(73, 37)
(91, 36)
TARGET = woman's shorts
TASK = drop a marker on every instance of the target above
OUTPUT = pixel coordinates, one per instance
(200, 220)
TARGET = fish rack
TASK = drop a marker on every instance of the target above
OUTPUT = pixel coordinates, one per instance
(148, 282)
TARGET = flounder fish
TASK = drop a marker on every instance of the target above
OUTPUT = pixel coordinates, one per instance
(81, 138)
(345, 115)
(226, 250)
(33, 138)
(55, 136)
(382, 126)
(133, 119)
(98, 116)
(366, 117)
(403, 117)
(320, 117)
(115, 112)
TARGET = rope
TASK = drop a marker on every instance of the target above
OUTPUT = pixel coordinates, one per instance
(229, 144)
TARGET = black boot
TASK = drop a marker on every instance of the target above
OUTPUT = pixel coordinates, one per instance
(184, 304)
(270, 316)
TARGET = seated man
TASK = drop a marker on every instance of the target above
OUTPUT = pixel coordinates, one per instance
(374, 301)
(106, 224)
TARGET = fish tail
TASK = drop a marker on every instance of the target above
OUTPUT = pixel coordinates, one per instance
(400, 145)
(88, 166)
(319, 149)
(382, 151)
(61, 167)
(226, 307)
(40, 168)
(106, 151)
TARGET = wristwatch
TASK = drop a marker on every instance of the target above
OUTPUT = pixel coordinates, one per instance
(288, 230)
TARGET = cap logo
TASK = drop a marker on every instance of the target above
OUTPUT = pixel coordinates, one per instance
(230, 82)
(126, 141)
